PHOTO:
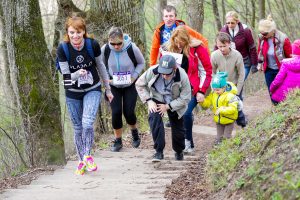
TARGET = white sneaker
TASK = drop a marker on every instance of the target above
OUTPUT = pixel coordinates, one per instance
(188, 149)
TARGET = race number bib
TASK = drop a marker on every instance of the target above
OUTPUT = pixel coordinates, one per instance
(121, 78)
(232, 45)
(87, 79)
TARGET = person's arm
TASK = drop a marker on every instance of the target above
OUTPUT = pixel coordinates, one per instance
(185, 93)
(140, 62)
(64, 65)
(198, 36)
(214, 64)
(251, 47)
(279, 79)
(241, 72)
(101, 67)
(287, 48)
(207, 101)
(155, 48)
(142, 86)
(204, 69)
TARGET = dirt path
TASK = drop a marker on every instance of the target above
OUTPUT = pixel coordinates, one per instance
(130, 174)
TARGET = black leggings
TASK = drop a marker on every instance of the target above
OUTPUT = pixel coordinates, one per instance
(124, 101)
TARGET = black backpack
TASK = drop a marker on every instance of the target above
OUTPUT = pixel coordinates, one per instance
(130, 52)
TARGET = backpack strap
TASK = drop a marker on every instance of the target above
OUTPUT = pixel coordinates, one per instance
(66, 50)
(89, 48)
(131, 55)
(106, 55)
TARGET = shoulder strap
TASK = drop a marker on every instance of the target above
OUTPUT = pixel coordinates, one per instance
(131, 55)
(66, 50)
(89, 47)
(106, 55)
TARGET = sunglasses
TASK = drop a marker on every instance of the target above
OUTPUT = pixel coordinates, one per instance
(264, 34)
(116, 44)
(230, 23)
(168, 74)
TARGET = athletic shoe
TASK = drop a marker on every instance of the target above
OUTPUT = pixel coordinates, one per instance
(157, 157)
(91, 165)
(179, 156)
(117, 145)
(188, 149)
(80, 168)
(136, 140)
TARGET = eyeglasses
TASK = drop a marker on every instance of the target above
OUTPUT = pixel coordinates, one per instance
(264, 34)
(230, 23)
(116, 44)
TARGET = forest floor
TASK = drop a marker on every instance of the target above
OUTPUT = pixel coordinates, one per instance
(187, 181)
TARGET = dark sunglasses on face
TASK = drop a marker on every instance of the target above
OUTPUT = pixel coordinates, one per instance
(264, 34)
(168, 74)
(230, 22)
(116, 44)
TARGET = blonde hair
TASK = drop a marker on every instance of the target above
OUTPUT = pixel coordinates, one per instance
(115, 34)
(267, 25)
(77, 23)
(181, 34)
(232, 14)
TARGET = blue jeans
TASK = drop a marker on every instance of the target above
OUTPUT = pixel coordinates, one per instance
(270, 75)
(188, 120)
(83, 114)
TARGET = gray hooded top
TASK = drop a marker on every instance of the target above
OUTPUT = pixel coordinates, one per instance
(119, 61)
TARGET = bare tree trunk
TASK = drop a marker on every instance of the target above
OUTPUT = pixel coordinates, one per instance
(223, 11)
(253, 13)
(160, 5)
(262, 9)
(196, 13)
(30, 72)
(217, 14)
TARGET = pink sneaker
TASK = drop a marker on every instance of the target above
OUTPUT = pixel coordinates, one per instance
(91, 165)
(80, 168)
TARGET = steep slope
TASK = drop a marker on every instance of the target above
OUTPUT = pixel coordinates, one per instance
(263, 161)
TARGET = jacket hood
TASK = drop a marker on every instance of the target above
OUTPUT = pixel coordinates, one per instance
(127, 43)
(293, 64)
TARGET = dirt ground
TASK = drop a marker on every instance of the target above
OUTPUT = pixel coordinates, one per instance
(191, 184)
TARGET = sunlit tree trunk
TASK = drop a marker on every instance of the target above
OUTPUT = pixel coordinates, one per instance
(196, 14)
(262, 9)
(32, 82)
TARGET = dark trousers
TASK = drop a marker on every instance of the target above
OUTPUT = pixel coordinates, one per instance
(124, 102)
(158, 131)
(270, 75)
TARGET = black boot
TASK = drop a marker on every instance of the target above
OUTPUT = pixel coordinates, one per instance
(117, 145)
(136, 140)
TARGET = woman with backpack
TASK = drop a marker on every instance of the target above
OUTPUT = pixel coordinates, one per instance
(273, 47)
(82, 86)
(196, 63)
(124, 63)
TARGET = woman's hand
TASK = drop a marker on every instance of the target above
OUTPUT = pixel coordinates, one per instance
(109, 96)
(82, 72)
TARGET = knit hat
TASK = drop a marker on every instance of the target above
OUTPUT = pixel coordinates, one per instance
(219, 80)
(266, 25)
(167, 64)
(296, 47)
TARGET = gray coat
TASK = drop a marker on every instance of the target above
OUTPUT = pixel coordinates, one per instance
(181, 89)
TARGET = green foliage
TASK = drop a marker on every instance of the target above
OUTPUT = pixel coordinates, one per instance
(262, 162)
